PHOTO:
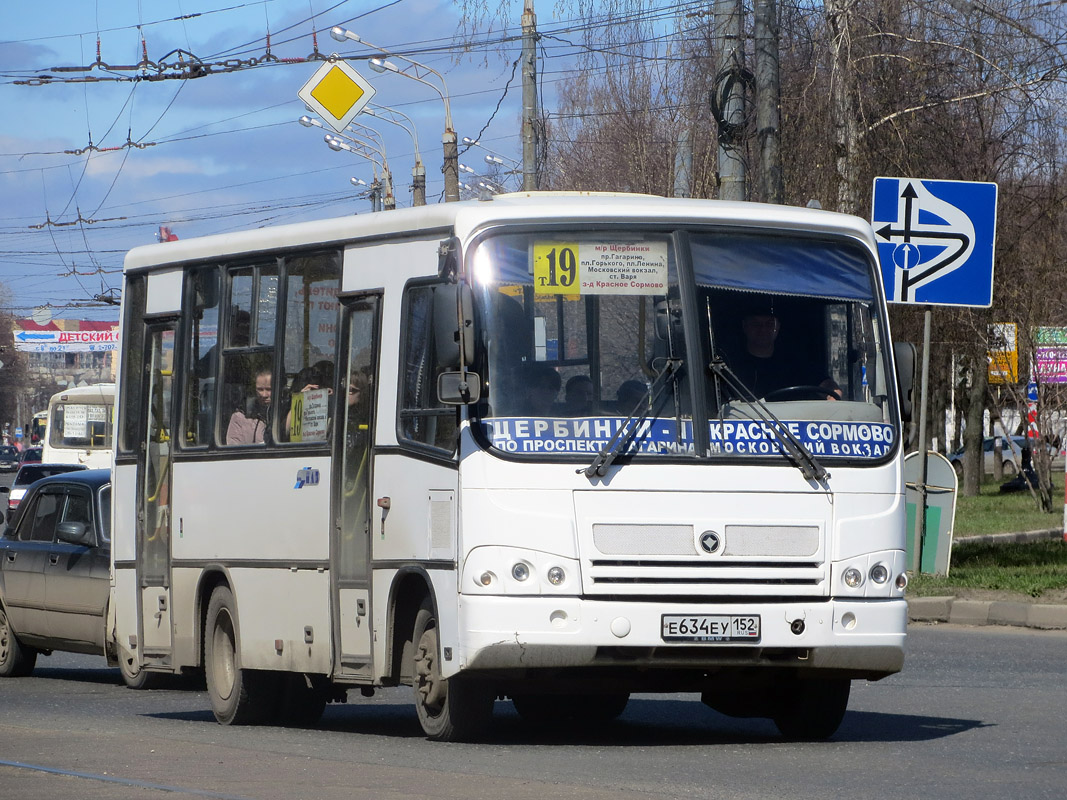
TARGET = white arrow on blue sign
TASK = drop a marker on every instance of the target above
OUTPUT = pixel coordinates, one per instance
(936, 240)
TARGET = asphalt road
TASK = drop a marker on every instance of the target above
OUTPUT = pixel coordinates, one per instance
(977, 713)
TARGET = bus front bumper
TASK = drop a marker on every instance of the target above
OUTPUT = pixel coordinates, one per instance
(859, 639)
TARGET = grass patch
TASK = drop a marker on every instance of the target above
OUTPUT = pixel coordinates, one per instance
(1032, 569)
(993, 512)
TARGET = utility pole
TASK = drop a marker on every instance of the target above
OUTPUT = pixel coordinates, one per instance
(768, 101)
(683, 165)
(451, 166)
(729, 100)
(529, 97)
(418, 185)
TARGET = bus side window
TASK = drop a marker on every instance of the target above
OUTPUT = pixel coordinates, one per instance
(203, 293)
(422, 419)
(306, 385)
(247, 405)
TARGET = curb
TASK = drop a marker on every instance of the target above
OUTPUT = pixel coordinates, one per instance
(1013, 538)
(980, 612)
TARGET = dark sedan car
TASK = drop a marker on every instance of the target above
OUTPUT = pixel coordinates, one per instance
(9, 458)
(54, 573)
(26, 476)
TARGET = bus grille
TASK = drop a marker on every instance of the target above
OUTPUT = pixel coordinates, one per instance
(658, 559)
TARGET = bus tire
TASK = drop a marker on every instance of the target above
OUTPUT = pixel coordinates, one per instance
(455, 710)
(238, 696)
(137, 677)
(812, 710)
(16, 660)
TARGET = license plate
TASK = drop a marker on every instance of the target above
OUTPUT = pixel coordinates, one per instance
(711, 628)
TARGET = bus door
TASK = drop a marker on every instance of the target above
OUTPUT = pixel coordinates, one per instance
(154, 484)
(351, 543)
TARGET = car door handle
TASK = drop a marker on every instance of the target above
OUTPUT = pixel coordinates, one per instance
(11, 557)
(53, 558)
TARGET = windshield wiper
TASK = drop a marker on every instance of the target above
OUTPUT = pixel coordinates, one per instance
(805, 461)
(629, 427)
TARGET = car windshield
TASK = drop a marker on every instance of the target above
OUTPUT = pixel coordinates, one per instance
(589, 333)
(8, 452)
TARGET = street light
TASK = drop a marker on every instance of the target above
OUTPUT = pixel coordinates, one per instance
(498, 158)
(418, 72)
(362, 148)
(418, 172)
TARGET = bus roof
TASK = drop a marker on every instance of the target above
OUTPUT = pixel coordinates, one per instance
(96, 391)
(464, 217)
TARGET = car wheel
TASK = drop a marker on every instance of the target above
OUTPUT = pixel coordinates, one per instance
(239, 696)
(454, 710)
(16, 660)
(1010, 469)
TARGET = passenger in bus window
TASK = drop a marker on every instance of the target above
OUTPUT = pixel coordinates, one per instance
(629, 394)
(251, 425)
(766, 369)
(578, 396)
(542, 386)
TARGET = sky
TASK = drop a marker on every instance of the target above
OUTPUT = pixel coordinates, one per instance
(90, 169)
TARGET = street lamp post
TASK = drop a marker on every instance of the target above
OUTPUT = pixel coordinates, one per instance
(361, 147)
(418, 172)
(418, 72)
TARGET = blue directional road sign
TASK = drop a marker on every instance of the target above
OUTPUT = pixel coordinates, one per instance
(935, 240)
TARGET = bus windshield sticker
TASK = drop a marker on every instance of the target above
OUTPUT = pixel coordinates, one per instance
(589, 435)
(75, 421)
(573, 268)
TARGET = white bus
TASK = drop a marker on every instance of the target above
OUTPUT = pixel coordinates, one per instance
(81, 426)
(348, 457)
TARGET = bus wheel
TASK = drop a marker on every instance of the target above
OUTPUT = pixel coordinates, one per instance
(16, 660)
(813, 710)
(135, 677)
(238, 696)
(453, 710)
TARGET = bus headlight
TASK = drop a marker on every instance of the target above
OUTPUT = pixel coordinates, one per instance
(503, 570)
(521, 571)
(879, 573)
(852, 577)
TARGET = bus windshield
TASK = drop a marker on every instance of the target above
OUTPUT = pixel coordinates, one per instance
(692, 344)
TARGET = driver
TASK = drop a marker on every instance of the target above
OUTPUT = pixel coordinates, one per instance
(763, 367)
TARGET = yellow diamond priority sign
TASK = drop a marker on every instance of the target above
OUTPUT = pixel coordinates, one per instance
(336, 92)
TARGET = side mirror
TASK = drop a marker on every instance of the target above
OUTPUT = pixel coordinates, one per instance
(75, 533)
(453, 390)
(904, 356)
(453, 307)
